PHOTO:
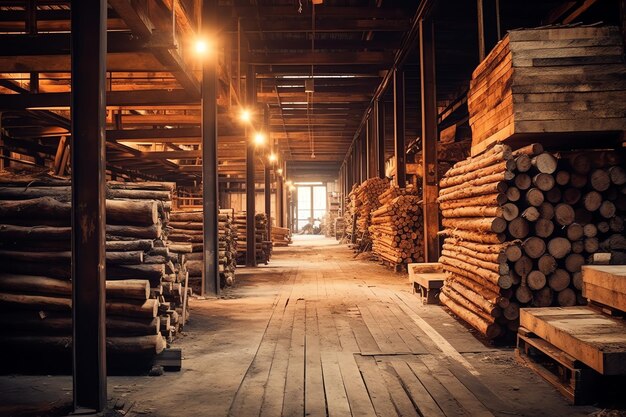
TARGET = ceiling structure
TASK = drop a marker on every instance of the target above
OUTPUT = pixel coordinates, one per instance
(153, 77)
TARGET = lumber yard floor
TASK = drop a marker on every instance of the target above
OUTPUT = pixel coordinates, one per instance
(318, 333)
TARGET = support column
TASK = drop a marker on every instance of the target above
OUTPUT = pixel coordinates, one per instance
(280, 201)
(488, 26)
(363, 155)
(380, 125)
(210, 195)
(368, 150)
(399, 123)
(250, 189)
(429, 141)
(88, 107)
(267, 189)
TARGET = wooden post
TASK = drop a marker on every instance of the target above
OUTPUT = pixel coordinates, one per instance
(368, 144)
(250, 171)
(488, 26)
(210, 195)
(429, 141)
(380, 125)
(88, 107)
(280, 201)
(267, 189)
(399, 124)
(363, 155)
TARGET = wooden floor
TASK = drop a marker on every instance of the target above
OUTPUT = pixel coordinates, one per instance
(318, 333)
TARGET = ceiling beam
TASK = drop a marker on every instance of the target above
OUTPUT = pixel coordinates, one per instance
(321, 58)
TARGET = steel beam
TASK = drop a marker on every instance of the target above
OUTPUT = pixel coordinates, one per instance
(210, 193)
(88, 109)
(429, 140)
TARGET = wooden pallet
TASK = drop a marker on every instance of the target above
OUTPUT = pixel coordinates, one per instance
(572, 378)
(605, 285)
(426, 280)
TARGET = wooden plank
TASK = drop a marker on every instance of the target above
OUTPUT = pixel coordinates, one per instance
(419, 395)
(446, 401)
(360, 402)
(390, 321)
(377, 389)
(594, 339)
(314, 403)
(329, 338)
(605, 284)
(402, 402)
(469, 402)
(336, 397)
(293, 404)
(364, 338)
(392, 339)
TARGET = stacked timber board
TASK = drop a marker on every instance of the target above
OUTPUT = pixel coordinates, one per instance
(558, 80)
(262, 242)
(397, 227)
(605, 285)
(146, 295)
(520, 225)
(281, 236)
(186, 239)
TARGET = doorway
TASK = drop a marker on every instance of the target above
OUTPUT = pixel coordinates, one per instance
(310, 205)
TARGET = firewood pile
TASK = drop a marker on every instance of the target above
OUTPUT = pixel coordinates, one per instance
(328, 223)
(262, 242)
(281, 236)
(363, 200)
(520, 224)
(397, 228)
(145, 289)
(186, 239)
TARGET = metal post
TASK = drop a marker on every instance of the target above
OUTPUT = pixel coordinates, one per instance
(210, 194)
(399, 123)
(380, 125)
(88, 107)
(429, 140)
(267, 189)
(250, 171)
(280, 201)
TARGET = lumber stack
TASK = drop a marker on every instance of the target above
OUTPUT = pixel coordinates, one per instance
(366, 200)
(262, 242)
(328, 223)
(561, 80)
(397, 230)
(186, 239)
(520, 224)
(281, 236)
(146, 295)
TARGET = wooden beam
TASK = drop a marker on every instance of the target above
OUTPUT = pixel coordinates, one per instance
(88, 201)
(126, 62)
(325, 26)
(114, 98)
(322, 58)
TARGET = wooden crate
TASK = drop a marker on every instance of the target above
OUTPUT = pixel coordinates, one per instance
(594, 339)
(561, 81)
(606, 285)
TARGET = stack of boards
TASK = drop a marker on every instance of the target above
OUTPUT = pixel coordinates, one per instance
(557, 80)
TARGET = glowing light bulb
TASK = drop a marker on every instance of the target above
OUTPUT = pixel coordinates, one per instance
(259, 138)
(245, 116)
(202, 47)
(273, 157)
(279, 171)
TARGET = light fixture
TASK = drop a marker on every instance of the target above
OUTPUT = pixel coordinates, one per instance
(317, 1)
(292, 188)
(259, 138)
(289, 184)
(279, 171)
(272, 157)
(245, 116)
(201, 47)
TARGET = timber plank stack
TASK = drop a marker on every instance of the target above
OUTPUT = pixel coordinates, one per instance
(145, 290)
(560, 80)
(281, 236)
(262, 242)
(397, 229)
(186, 239)
(521, 224)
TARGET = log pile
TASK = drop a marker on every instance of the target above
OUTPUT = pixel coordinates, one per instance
(520, 224)
(366, 201)
(262, 242)
(397, 229)
(549, 80)
(146, 295)
(281, 236)
(186, 239)
(328, 223)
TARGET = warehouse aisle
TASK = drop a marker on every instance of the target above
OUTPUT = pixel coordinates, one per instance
(319, 333)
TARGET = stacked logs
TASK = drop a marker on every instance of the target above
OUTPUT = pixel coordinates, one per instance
(146, 297)
(520, 225)
(281, 236)
(262, 243)
(186, 239)
(366, 201)
(397, 230)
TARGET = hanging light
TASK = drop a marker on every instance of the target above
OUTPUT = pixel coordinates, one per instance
(245, 116)
(272, 157)
(279, 171)
(201, 47)
(259, 138)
